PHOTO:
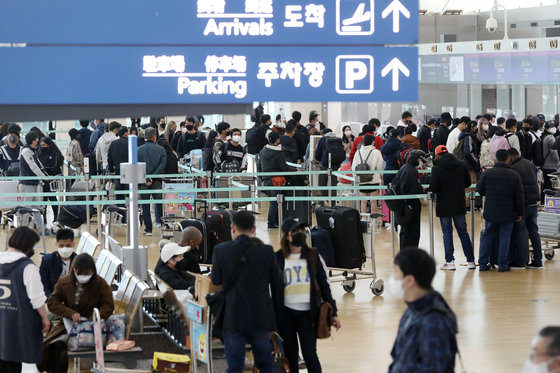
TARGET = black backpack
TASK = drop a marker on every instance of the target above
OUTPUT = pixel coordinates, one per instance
(255, 139)
(394, 189)
(334, 147)
(537, 152)
(207, 161)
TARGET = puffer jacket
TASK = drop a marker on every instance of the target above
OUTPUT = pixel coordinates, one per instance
(391, 153)
(503, 190)
(450, 177)
(272, 160)
(528, 172)
(485, 160)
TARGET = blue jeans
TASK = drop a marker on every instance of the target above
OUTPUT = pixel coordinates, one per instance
(234, 343)
(461, 227)
(488, 243)
(530, 218)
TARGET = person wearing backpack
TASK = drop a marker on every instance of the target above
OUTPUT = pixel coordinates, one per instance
(468, 149)
(256, 136)
(453, 138)
(551, 159)
(512, 139)
(409, 215)
(391, 152)
(190, 140)
(526, 139)
(368, 129)
(331, 145)
(301, 135)
(232, 154)
(442, 131)
(368, 158)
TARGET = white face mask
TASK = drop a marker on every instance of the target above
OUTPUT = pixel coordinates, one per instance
(531, 367)
(395, 287)
(485, 127)
(552, 130)
(236, 138)
(348, 133)
(280, 125)
(184, 129)
(65, 252)
(82, 279)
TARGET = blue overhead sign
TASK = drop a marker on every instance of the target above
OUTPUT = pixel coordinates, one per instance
(205, 22)
(175, 75)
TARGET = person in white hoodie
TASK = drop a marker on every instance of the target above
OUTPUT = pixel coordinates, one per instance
(453, 138)
(369, 155)
(102, 147)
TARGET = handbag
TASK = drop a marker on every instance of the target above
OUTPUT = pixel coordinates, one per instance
(81, 337)
(325, 317)
(279, 361)
(217, 301)
(278, 181)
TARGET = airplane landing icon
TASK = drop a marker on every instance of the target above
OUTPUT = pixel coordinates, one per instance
(352, 20)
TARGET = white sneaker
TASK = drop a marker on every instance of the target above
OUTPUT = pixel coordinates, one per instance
(157, 225)
(471, 265)
(448, 266)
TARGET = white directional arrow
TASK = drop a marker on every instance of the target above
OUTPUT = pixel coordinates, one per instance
(396, 8)
(395, 66)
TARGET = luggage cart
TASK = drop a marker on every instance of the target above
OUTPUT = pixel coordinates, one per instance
(548, 219)
(174, 212)
(371, 225)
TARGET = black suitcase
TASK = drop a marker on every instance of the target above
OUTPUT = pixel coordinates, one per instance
(219, 222)
(344, 225)
(301, 209)
(204, 252)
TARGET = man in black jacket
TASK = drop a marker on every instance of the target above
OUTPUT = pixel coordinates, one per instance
(289, 145)
(409, 216)
(448, 181)
(442, 132)
(504, 205)
(85, 134)
(272, 160)
(118, 153)
(528, 225)
(170, 271)
(249, 268)
(425, 133)
(526, 139)
(301, 135)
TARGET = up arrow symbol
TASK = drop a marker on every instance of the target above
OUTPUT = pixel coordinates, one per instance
(396, 8)
(395, 66)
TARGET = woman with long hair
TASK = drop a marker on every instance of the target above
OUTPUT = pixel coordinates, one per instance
(74, 152)
(306, 286)
(170, 131)
(347, 140)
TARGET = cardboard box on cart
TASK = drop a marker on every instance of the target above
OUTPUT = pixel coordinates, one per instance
(203, 286)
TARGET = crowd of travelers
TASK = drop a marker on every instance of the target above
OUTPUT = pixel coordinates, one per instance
(507, 162)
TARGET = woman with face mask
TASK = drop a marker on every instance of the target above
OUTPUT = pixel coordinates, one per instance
(306, 285)
(347, 140)
(74, 298)
(22, 330)
(52, 159)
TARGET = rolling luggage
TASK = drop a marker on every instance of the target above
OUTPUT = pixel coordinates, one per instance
(322, 241)
(549, 225)
(344, 226)
(74, 216)
(301, 209)
(219, 222)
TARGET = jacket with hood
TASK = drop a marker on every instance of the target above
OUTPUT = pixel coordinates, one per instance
(528, 172)
(448, 181)
(503, 190)
(470, 149)
(426, 340)
(391, 152)
(424, 134)
(272, 160)
(95, 136)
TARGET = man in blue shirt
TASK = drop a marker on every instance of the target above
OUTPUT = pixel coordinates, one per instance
(155, 158)
(426, 341)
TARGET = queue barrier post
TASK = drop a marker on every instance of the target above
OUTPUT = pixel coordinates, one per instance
(431, 222)
(393, 229)
(473, 200)
(86, 183)
(209, 184)
(253, 190)
(280, 199)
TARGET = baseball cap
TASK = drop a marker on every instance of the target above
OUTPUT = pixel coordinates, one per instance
(441, 149)
(172, 249)
(292, 223)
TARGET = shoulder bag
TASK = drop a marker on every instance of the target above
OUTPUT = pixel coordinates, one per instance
(325, 317)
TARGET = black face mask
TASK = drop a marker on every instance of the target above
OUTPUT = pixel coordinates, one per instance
(190, 127)
(299, 239)
(526, 129)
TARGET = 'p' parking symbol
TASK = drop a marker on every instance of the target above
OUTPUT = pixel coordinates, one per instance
(354, 74)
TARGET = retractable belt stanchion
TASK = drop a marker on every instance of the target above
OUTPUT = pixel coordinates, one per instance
(431, 222)
(88, 209)
(280, 198)
(329, 182)
(209, 184)
(253, 190)
(472, 196)
(230, 185)
(135, 257)
(393, 229)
